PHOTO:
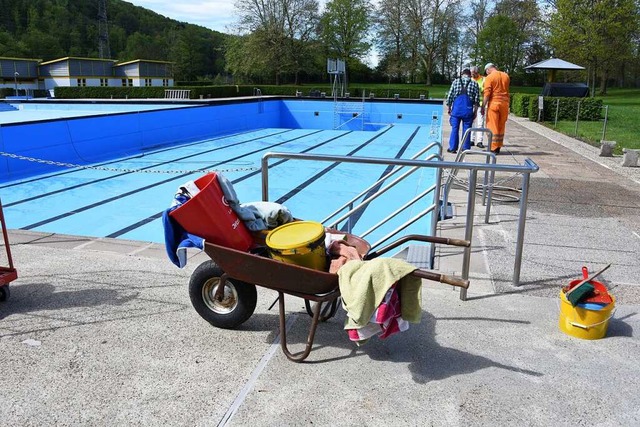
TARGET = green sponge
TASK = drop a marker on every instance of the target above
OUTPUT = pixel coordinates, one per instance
(579, 292)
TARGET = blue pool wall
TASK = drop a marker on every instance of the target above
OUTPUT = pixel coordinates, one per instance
(85, 140)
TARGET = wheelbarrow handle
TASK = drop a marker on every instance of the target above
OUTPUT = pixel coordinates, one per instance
(419, 238)
(458, 242)
(442, 278)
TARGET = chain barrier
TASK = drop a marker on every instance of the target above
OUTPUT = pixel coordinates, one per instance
(106, 169)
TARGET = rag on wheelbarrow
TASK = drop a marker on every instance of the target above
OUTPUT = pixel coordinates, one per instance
(364, 285)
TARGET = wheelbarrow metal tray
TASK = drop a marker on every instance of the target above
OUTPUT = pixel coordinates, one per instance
(270, 273)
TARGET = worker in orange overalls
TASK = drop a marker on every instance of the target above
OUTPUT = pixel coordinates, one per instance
(495, 104)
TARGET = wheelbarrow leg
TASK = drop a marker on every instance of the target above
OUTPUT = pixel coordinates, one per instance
(283, 331)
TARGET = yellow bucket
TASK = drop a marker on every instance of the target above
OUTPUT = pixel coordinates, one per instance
(583, 323)
(300, 243)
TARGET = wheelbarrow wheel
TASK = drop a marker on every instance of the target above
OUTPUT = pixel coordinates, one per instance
(4, 293)
(236, 305)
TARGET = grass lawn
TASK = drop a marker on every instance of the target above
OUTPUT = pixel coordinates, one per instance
(623, 124)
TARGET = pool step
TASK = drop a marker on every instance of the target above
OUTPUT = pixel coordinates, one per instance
(7, 107)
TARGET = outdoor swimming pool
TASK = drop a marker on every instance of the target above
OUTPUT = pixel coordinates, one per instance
(139, 159)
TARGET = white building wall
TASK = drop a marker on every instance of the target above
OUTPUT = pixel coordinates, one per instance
(53, 82)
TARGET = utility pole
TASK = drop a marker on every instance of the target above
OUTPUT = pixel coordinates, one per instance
(103, 32)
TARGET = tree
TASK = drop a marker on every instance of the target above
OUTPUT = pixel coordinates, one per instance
(479, 13)
(430, 22)
(598, 33)
(526, 15)
(344, 28)
(188, 53)
(279, 34)
(391, 24)
(500, 42)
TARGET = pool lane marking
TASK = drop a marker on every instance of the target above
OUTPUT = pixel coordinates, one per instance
(356, 217)
(155, 184)
(142, 154)
(315, 177)
(95, 181)
(158, 215)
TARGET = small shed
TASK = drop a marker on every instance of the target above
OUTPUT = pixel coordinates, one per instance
(20, 72)
(73, 71)
(145, 72)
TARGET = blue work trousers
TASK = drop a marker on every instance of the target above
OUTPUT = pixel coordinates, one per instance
(467, 122)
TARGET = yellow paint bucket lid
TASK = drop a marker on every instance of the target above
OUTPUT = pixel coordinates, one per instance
(295, 235)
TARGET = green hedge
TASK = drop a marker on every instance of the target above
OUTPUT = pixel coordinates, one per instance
(226, 91)
(526, 105)
(590, 108)
(355, 91)
(520, 104)
(37, 93)
(116, 92)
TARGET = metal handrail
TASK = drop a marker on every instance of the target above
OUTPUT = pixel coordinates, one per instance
(379, 193)
(400, 209)
(381, 180)
(525, 169)
(486, 198)
(488, 176)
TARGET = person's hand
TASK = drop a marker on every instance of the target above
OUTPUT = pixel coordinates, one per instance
(449, 110)
(482, 110)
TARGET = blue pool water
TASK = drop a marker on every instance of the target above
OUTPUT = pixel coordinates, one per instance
(119, 200)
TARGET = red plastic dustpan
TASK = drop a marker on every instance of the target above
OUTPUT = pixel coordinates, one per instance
(600, 294)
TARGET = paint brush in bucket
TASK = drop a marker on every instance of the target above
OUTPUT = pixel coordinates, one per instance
(582, 288)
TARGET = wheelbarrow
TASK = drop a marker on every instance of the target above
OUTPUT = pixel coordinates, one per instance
(223, 289)
(7, 273)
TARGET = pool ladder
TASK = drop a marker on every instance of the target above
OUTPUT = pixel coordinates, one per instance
(341, 107)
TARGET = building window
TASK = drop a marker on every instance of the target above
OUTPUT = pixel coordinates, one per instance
(147, 82)
(127, 82)
(165, 82)
(124, 82)
(104, 82)
(81, 82)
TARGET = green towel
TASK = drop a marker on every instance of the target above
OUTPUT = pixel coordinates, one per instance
(363, 285)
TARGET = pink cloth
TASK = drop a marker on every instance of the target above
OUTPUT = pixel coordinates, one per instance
(385, 321)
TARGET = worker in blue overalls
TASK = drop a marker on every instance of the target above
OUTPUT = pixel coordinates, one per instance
(463, 100)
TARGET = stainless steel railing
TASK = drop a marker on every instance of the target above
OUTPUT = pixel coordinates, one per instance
(525, 170)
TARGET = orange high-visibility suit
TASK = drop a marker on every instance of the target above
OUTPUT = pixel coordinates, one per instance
(496, 90)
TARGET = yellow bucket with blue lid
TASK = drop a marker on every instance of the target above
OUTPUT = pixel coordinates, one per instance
(300, 243)
(583, 322)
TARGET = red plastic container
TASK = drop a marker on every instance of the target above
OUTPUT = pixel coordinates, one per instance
(208, 215)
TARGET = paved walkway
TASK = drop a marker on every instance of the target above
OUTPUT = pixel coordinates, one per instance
(101, 331)
(583, 210)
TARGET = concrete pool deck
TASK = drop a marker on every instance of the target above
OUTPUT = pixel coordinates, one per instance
(101, 331)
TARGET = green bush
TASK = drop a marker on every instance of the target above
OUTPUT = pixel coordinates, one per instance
(37, 93)
(590, 108)
(108, 92)
(520, 104)
(226, 91)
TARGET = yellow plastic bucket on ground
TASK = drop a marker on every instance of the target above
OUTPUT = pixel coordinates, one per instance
(300, 243)
(583, 323)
